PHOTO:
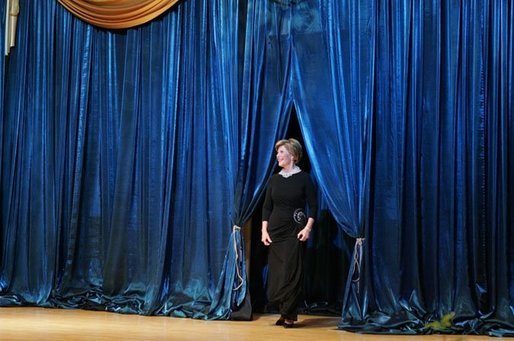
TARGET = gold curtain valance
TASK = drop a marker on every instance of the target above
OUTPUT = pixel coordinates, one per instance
(117, 14)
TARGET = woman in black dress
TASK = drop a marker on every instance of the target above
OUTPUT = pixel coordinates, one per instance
(285, 227)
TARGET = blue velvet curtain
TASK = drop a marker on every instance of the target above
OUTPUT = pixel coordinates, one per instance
(442, 182)
(406, 109)
(131, 159)
(119, 163)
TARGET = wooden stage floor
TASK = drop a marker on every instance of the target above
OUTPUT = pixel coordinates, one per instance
(27, 323)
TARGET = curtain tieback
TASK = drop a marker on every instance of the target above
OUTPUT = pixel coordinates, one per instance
(357, 258)
(236, 252)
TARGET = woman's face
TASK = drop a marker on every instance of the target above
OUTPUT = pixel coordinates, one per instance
(284, 158)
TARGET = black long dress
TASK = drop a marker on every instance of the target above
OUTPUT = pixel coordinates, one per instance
(283, 208)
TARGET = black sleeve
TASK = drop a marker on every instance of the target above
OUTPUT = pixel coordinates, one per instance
(312, 200)
(268, 204)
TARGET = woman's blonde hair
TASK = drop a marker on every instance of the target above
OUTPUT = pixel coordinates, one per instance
(292, 146)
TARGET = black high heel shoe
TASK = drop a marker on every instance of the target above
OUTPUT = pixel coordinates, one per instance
(288, 324)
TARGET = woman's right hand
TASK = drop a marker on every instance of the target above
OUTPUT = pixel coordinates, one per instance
(265, 238)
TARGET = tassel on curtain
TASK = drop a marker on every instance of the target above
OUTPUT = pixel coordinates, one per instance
(117, 14)
(11, 19)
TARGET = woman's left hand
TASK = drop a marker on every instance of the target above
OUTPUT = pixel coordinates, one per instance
(303, 235)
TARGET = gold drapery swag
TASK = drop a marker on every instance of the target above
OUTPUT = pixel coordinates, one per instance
(117, 14)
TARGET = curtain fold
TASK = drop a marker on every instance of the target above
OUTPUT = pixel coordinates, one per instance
(117, 14)
(338, 83)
